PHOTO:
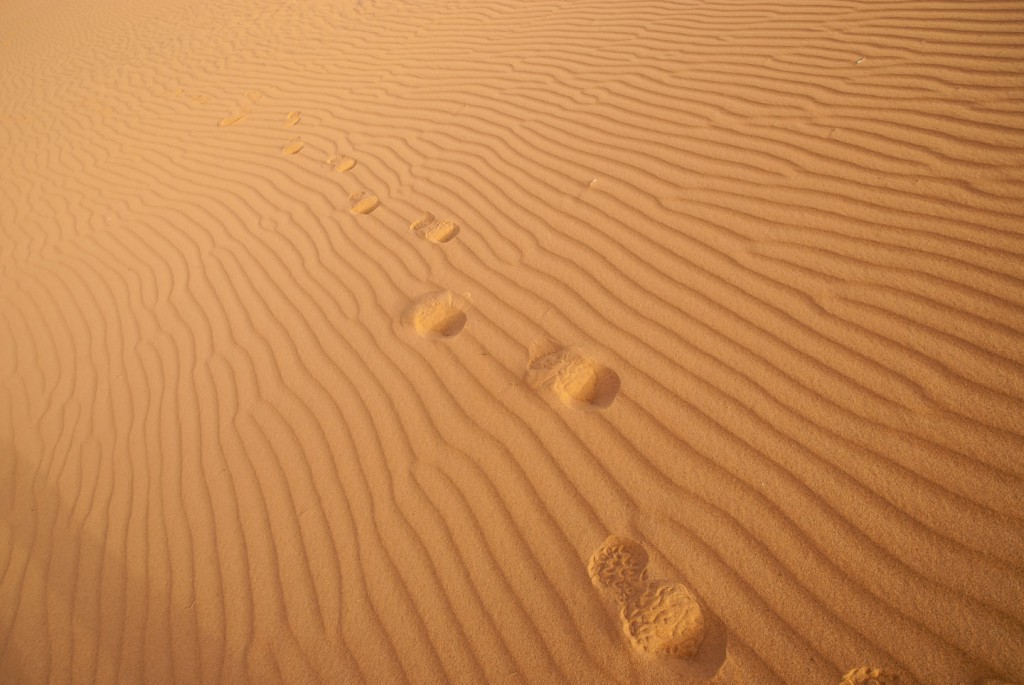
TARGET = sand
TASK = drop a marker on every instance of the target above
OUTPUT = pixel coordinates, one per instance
(479, 341)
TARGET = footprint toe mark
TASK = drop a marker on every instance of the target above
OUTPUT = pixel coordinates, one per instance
(618, 566)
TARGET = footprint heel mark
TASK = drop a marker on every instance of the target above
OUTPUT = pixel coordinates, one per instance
(361, 202)
(578, 381)
(659, 618)
(618, 566)
(866, 675)
(341, 163)
(293, 118)
(435, 230)
(437, 315)
(664, 619)
(293, 147)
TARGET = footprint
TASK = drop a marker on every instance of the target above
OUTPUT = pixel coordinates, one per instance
(577, 380)
(233, 119)
(866, 675)
(618, 565)
(361, 202)
(293, 118)
(433, 229)
(664, 619)
(437, 315)
(341, 163)
(254, 96)
(660, 618)
(293, 146)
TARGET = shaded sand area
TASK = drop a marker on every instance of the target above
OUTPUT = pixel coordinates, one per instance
(512, 342)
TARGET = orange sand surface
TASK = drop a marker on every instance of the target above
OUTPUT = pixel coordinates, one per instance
(496, 341)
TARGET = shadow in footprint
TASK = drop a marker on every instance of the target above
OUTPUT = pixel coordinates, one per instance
(577, 380)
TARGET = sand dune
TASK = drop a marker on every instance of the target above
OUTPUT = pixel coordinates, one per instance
(375, 341)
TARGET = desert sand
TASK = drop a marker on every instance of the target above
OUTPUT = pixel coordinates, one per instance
(512, 341)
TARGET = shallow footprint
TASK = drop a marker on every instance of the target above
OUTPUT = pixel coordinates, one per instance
(341, 164)
(293, 118)
(433, 229)
(361, 202)
(664, 619)
(579, 382)
(437, 315)
(293, 146)
(619, 566)
(865, 675)
(233, 119)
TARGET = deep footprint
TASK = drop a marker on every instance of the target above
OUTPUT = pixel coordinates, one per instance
(579, 382)
(361, 202)
(865, 675)
(664, 619)
(659, 618)
(435, 230)
(437, 315)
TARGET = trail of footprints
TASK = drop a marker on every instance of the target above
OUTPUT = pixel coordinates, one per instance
(660, 618)
(571, 376)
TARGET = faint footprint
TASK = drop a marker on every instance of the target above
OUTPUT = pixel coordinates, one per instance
(341, 163)
(293, 146)
(293, 118)
(234, 118)
(437, 315)
(433, 229)
(866, 675)
(660, 618)
(361, 202)
(576, 379)
(254, 96)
